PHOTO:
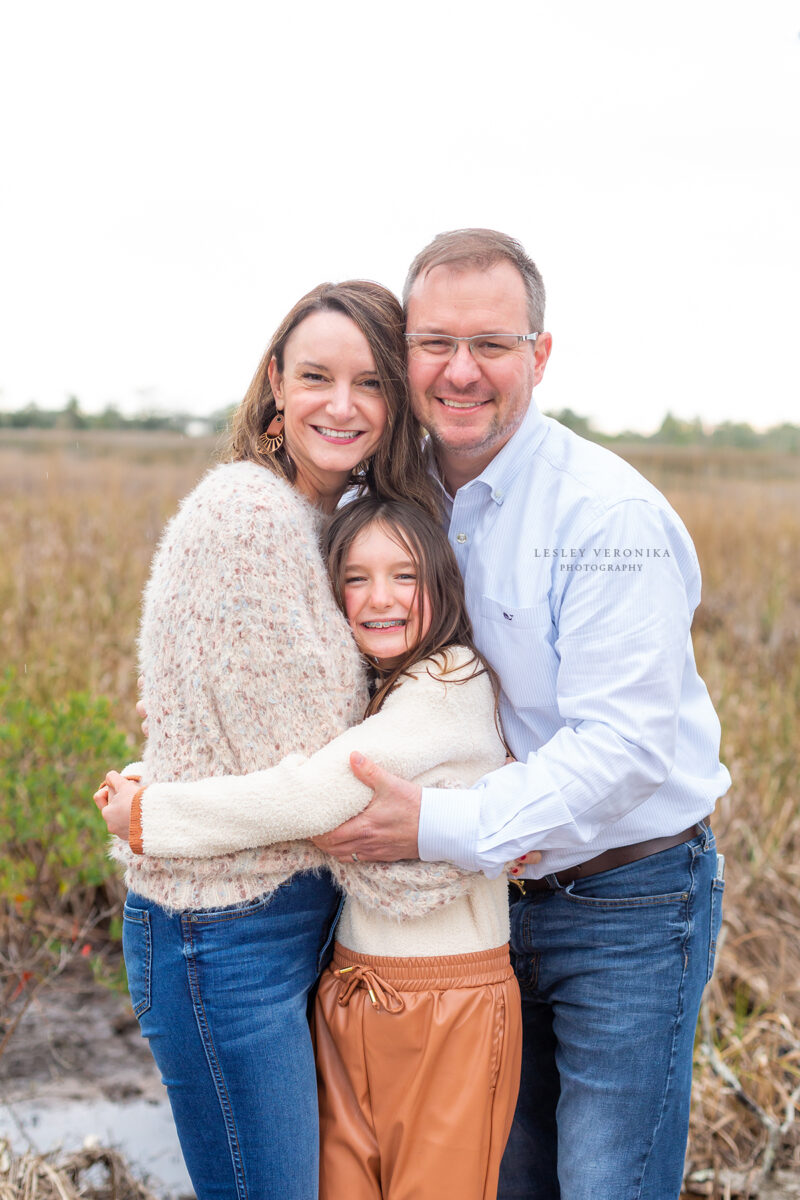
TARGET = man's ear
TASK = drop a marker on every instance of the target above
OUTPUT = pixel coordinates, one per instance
(541, 353)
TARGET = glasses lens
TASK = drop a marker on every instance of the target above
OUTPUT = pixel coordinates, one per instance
(441, 345)
(430, 345)
(494, 345)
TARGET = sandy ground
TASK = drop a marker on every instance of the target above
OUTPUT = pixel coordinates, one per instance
(77, 1068)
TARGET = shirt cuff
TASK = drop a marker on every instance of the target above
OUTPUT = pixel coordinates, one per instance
(448, 826)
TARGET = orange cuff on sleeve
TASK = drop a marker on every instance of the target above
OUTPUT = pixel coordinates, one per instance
(136, 835)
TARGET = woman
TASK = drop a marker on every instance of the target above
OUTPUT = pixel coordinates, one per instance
(417, 1021)
(245, 657)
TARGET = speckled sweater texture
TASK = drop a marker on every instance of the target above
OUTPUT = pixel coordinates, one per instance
(246, 658)
(437, 728)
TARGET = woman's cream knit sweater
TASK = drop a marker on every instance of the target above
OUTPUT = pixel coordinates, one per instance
(436, 727)
(246, 658)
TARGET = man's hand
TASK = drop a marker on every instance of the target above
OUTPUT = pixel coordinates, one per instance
(114, 799)
(388, 827)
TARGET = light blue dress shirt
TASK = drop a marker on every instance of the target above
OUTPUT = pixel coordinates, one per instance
(581, 582)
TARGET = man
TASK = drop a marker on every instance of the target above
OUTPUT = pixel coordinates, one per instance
(581, 583)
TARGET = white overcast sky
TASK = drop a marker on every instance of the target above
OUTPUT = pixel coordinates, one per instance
(175, 174)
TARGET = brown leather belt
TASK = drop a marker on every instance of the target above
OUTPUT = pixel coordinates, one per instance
(620, 856)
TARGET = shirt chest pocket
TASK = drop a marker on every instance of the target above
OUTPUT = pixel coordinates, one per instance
(518, 643)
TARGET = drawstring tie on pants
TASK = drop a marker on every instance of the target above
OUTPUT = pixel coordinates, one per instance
(380, 992)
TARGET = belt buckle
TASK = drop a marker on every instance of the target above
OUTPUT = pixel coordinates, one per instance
(520, 883)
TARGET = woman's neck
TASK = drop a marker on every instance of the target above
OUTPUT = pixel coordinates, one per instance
(325, 496)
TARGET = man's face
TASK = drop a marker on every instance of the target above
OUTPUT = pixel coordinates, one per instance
(471, 407)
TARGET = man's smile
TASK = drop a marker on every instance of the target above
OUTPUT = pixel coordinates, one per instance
(461, 403)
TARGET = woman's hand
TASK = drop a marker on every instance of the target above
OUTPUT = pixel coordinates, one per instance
(533, 856)
(114, 799)
(141, 711)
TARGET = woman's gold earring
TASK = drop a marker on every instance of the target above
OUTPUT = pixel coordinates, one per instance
(272, 437)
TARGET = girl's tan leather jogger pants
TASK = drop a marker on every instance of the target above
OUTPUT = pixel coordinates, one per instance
(418, 1063)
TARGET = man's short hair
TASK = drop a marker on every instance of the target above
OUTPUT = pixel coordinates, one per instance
(481, 249)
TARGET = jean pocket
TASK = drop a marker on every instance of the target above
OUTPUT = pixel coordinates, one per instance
(137, 947)
(232, 912)
(717, 892)
(526, 969)
(598, 900)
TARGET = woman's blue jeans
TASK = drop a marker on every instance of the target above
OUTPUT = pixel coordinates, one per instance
(611, 970)
(222, 997)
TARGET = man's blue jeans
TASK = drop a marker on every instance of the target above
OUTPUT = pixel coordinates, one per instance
(222, 997)
(612, 969)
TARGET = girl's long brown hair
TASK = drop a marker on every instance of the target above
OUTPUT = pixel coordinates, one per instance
(438, 580)
(397, 469)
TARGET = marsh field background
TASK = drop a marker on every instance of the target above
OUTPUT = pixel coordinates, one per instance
(80, 516)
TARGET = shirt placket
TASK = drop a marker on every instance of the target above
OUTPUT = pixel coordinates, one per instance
(463, 524)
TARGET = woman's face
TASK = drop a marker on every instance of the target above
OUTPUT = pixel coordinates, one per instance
(331, 399)
(382, 600)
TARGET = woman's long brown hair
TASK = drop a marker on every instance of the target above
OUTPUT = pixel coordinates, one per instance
(397, 469)
(438, 580)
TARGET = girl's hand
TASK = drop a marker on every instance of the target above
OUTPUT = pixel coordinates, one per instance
(114, 799)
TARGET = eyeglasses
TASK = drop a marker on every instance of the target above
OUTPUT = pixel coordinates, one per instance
(481, 345)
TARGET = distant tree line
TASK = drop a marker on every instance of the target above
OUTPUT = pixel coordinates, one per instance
(673, 431)
(784, 438)
(72, 416)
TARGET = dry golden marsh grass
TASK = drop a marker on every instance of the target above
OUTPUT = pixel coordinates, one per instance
(79, 523)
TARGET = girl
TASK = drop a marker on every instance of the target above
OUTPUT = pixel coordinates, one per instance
(417, 1017)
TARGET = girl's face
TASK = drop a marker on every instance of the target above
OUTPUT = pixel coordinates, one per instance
(387, 614)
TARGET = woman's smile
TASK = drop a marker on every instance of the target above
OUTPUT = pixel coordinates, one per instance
(339, 435)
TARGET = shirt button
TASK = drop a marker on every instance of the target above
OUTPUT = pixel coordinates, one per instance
(461, 538)
(497, 494)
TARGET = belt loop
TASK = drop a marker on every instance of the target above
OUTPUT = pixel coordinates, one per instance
(706, 828)
(552, 881)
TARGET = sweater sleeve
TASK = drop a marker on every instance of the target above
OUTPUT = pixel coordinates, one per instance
(425, 723)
